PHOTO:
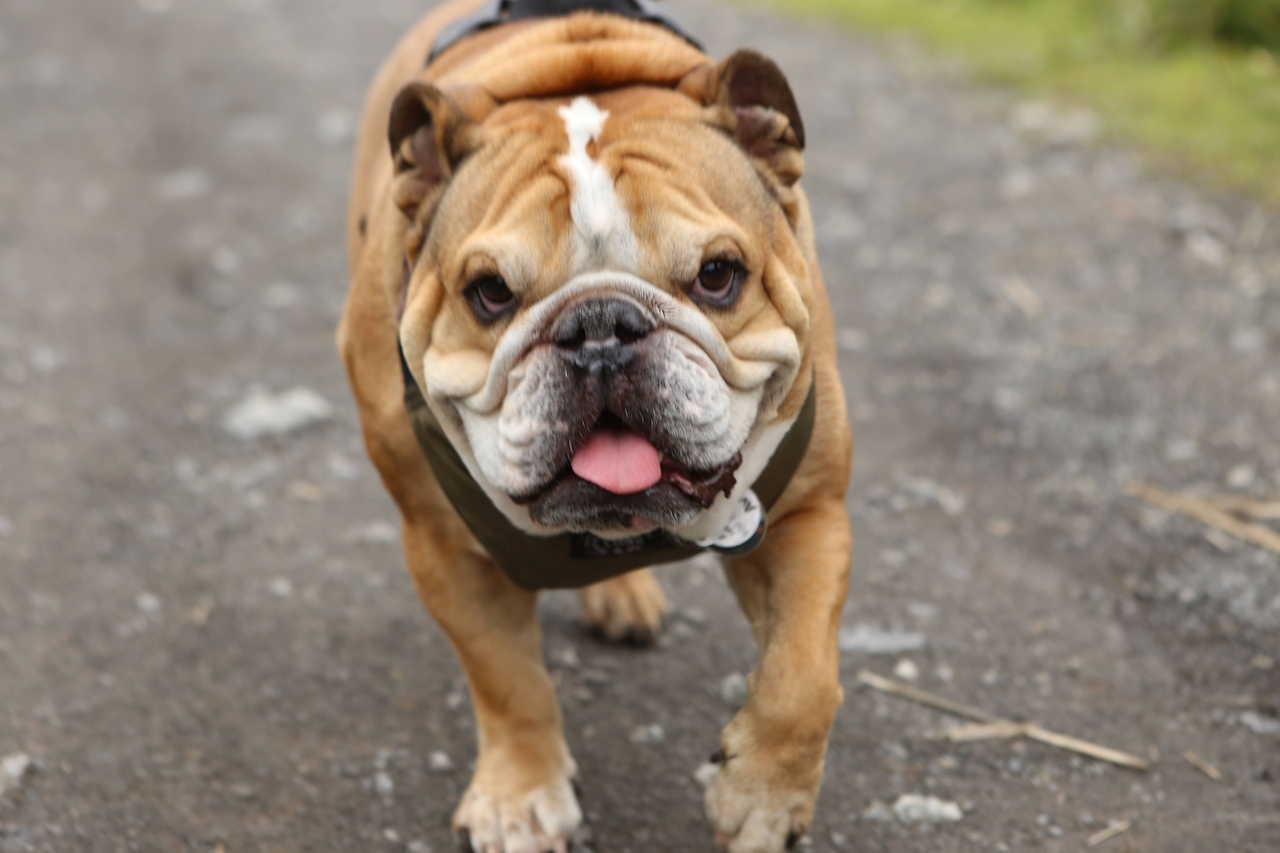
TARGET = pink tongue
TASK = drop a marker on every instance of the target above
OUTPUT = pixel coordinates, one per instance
(618, 462)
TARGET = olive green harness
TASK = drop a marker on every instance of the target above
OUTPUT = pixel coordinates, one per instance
(570, 560)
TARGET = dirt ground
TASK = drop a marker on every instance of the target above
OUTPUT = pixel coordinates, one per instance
(209, 643)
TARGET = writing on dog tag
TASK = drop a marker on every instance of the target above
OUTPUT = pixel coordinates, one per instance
(744, 531)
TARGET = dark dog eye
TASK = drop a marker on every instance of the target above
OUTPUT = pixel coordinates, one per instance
(490, 297)
(718, 283)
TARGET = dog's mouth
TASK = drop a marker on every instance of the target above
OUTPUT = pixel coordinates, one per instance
(618, 480)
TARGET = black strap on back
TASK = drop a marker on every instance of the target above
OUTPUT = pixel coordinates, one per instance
(497, 12)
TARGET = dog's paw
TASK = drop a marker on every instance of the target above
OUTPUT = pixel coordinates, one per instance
(626, 609)
(752, 815)
(542, 820)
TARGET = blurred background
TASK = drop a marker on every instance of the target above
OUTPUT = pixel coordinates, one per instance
(1051, 237)
(1196, 80)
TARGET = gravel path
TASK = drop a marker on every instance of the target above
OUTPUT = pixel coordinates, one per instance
(209, 643)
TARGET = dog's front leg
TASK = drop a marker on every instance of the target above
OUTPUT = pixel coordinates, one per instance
(792, 590)
(521, 798)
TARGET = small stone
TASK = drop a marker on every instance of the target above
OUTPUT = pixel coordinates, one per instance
(1242, 476)
(183, 185)
(419, 847)
(391, 835)
(839, 839)
(566, 658)
(1207, 249)
(455, 700)
(733, 689)
(262, 414)
(46, 359)
(923, 611)
(1262, 662)
(374, 533)
(878, 812)
(907, 670)
(225, 261)
(243, 792)
(706, 774)
(1018, 184)
(693, 615)
(1000, 527)
(1260, 724)
(301, 490)
(6, 527)
(281, 295)
(439, 762)
(596, 678)
(383, 784)
(341, 468)
(13, 770)
(916, 808)
(149, 603)
(650, 735)
(928, 491)
(868, 639)
(281, 587)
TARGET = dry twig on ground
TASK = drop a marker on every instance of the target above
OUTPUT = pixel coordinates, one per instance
(1247, 507)
(1203, 766)
(1118, 828)
(1032, 731)
(1206, 513)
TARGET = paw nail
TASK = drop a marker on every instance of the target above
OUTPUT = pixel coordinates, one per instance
(793, 838)
(718, 757)
(464, 841)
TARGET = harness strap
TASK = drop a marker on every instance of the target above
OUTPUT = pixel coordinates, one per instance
(572, 560)
(497, 12)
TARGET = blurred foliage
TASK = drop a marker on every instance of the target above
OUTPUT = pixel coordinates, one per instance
(1192, 80)
(1166, 24)
(1169, 23)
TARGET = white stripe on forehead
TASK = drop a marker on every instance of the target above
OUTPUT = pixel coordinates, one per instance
(605, 239)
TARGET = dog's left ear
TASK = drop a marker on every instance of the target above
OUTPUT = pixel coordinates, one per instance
(430, 135)
(759, 108)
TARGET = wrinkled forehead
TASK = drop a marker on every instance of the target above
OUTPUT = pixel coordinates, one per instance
(632, 180)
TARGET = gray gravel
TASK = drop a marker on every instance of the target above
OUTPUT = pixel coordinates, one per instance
(210, 643)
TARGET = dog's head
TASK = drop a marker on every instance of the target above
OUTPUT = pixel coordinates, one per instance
(606, 296)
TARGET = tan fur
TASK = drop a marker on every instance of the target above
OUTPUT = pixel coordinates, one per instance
(791, 589)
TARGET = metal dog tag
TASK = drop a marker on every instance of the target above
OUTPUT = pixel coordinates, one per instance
(744, 531)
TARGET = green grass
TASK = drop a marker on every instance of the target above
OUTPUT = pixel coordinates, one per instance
(1194, 102)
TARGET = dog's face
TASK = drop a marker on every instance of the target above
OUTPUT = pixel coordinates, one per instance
(606, 298)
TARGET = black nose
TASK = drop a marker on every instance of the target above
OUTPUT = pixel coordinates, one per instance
(600, 334)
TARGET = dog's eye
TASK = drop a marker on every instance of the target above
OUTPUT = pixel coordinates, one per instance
(490, 297)
(718, 283)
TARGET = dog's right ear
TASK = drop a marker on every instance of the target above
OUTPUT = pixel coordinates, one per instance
(430, 136)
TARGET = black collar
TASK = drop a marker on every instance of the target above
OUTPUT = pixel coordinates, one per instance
(501, 11)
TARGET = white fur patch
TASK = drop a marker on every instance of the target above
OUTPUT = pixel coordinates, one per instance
(605, 238)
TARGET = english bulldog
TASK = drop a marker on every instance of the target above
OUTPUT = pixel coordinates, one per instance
(587, 332)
